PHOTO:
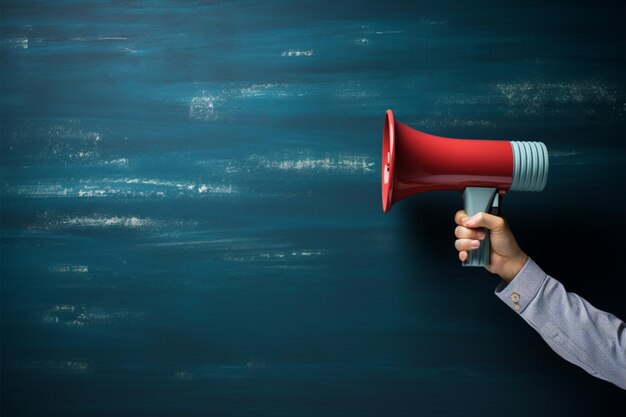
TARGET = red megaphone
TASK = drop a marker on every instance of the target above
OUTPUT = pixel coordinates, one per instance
(415, 162)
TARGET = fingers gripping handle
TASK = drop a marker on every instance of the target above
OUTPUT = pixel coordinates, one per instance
(475, 200)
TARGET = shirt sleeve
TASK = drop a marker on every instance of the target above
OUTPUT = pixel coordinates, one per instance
(573, 328)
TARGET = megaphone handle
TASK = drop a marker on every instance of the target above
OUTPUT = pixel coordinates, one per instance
(475, 200)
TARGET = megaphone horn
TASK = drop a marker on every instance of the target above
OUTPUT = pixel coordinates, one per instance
(416, 162)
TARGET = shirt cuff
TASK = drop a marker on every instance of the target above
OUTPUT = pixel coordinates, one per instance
(522, 289)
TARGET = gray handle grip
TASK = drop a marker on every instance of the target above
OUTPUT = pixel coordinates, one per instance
(477, 199)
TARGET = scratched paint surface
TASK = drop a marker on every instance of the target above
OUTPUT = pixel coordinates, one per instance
(190, 205)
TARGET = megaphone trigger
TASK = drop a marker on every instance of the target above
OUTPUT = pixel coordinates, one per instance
(495, 206)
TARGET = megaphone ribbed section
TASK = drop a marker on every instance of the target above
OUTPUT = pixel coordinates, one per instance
(530, 166)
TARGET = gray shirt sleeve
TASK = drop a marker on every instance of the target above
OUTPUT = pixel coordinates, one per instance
(576, 330)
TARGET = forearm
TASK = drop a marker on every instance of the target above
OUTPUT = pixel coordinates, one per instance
(585, 336)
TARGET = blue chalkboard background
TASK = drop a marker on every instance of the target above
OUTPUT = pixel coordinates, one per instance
(191, 217)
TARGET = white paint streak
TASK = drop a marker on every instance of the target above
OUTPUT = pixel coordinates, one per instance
(534, 96)
(77, 269)
(258, 90)
(273, 256)
(433, 22)
(121, 187)
(118, 162)
(68, 315)
(108, 222)
(357, 163)
(202, 108)
(438, 121)
(562, 154)
(76, 367)
(183, 376)
(19, 43)
(297, 53)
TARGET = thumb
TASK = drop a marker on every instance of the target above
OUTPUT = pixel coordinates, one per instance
(481, 219)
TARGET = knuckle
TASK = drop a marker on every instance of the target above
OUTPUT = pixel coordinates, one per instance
(499, 222)
(462, 244)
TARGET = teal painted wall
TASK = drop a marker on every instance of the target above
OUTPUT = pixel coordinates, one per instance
(190, 205)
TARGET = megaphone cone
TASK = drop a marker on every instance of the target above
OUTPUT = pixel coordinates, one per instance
(415, 162)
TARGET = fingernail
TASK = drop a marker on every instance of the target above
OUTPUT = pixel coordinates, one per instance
(480, 235)
(474, 244)
(468, 221)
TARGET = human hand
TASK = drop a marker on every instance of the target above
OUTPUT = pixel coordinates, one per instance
(506, 257)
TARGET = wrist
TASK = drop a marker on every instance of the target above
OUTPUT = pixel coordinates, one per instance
(513, 267)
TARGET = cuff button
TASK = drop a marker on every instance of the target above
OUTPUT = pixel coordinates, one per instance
(515, 297)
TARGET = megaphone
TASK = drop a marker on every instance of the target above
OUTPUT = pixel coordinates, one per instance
(415, 162)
